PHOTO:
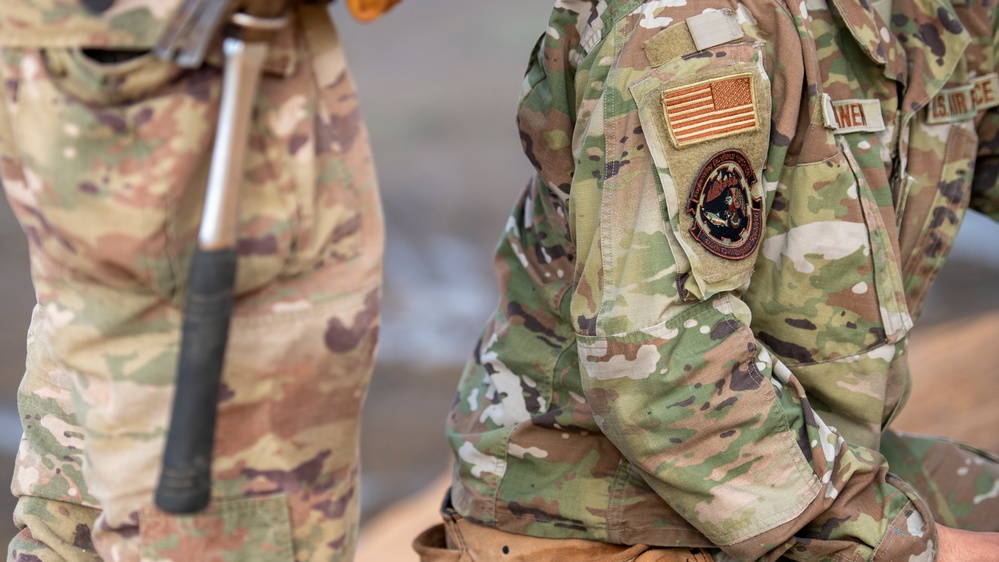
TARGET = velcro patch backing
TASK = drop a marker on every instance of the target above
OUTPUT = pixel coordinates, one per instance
(710, 110)
(670, 43)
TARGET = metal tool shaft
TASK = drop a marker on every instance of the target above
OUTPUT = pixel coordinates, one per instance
(220, 217)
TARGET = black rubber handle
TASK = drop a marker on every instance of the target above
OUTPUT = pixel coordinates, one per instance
(185, 484)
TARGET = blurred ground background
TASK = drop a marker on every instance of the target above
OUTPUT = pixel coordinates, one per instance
(439, 82)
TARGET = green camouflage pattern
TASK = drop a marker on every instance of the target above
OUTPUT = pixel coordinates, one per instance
(132, 24)
(105, 167)
(633, 388)
(959, 482)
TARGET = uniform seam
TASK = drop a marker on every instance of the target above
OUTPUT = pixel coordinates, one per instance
(606, 202)
(501, 478)
(887, 540)
(615, 509)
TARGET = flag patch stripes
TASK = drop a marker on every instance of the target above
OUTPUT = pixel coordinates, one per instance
(710, 110)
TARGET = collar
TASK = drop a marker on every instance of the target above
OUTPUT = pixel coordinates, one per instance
(920, 47)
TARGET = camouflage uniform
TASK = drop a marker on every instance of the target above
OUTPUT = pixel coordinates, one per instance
(105, 166)
(708, 286)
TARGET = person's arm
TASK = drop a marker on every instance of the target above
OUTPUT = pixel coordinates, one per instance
(720, 428)
(967, 546)
(985, 185)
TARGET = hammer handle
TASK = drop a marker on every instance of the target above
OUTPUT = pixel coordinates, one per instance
(185, 484)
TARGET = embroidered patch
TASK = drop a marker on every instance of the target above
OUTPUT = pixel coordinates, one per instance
(985, 91)
(851, 116)
(963, 102)
(727, 218)
(710, 110)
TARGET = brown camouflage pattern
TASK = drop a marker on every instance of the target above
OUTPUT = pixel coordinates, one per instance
(105, 167)
(960, 482)
(633, 388)
(131, 24)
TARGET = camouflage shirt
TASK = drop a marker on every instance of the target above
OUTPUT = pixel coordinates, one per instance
(706, 290)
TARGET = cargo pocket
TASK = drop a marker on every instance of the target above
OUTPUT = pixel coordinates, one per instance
(105, 177)
(115, 157)
(827, 286)
(108, 77)
(242, 530)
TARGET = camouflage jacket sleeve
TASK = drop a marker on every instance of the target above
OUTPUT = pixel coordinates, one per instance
(133, 24)
(671, 369)
(985, 186)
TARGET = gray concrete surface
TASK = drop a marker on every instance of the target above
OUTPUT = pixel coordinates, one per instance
(439, 80)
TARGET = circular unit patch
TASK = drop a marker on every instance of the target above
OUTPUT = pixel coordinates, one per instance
(727, 219)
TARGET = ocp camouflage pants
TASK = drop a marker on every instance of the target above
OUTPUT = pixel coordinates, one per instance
(105, 167)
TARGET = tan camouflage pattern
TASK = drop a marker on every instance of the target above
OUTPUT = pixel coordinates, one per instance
(105, 167)
(132, 24)
(632, 388)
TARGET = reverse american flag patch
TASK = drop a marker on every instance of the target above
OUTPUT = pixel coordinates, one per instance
(710, 110)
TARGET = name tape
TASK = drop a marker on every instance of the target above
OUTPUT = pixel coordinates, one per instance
(851, 116)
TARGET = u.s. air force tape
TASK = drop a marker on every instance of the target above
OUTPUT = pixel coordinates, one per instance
(963, 102)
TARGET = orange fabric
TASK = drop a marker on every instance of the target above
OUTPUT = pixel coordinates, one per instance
(370, 10)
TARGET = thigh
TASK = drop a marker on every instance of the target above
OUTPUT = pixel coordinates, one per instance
(958, 481)
(104, 167)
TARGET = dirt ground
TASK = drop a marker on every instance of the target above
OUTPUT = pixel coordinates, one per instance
(439, 82)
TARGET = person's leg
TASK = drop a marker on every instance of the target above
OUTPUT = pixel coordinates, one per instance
(959, 482)
(54, 513)
(104, 166)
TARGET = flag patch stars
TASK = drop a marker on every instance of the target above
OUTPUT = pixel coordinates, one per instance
(710, 110)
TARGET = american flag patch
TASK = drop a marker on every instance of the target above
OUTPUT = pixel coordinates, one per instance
(710, 110)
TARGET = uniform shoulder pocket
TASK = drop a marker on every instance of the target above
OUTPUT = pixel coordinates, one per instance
(706, 119)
